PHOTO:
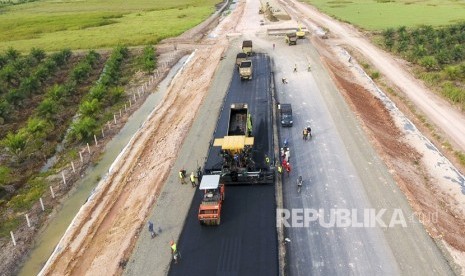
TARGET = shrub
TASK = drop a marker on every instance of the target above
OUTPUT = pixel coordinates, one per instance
(83, 129)
(429, 62)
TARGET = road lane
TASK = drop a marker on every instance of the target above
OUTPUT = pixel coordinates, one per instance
(341, 171)
(246, 241)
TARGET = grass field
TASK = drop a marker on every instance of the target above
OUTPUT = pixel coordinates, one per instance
(381, 14)
(91, 24)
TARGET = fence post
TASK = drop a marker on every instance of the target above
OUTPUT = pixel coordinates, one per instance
(52, 192)
(95, 139)
(72, 166)
(88, 148)
(13, 238)
(103, 134)
(64, 178)
(28, 221)
(42, 204)
(80, 156)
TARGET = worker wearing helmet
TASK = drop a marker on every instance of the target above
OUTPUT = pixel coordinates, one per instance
(174, 251)
(192, 177)
(182, 175)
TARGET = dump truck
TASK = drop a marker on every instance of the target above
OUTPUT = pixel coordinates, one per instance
(240, 57)
(212, 200)
(237, 165)
(291, 38)
(246, 69)
(285, 111)
(247, 47)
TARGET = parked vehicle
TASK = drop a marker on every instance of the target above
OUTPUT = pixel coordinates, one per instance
(285, 111)
(291, 39)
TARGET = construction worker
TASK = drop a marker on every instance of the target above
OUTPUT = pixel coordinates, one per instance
(199, 174)
(280, 169)
(151, 231)
(309, 67)
(192, 177)
(182, 175)
(174, 251)
(309, 130)
(288, 168)
(305, 133)
(295, 67)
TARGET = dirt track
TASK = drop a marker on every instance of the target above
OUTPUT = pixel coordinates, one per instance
(98, 240)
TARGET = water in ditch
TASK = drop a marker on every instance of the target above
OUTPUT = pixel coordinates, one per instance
(51, 235)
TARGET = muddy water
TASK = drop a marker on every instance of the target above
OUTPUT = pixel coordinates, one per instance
(51, 235)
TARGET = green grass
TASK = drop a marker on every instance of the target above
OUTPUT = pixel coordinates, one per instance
(92, 24)
(381, 14)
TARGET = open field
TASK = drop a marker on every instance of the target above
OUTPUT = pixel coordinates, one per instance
(382, 14)
(54, 25)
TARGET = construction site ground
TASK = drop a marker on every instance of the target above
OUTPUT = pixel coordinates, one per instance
(105, 232)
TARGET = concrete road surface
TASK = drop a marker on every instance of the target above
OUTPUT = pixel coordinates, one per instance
(342, 174)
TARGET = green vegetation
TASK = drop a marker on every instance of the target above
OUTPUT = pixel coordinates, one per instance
(147, 61)
(103, 94)
(90, 24)
(439, 52)
(382, 14)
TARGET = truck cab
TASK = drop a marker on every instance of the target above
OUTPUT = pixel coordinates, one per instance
(212, 200)
(245, 69)
(285, 111)
(240, 57)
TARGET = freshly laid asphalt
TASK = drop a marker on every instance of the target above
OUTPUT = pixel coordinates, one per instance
(245, 243)
(257, 95)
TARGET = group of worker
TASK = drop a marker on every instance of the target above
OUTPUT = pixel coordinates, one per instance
(194, 177)
(285, 165)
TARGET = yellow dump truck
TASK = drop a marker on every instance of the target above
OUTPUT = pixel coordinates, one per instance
(247, 47)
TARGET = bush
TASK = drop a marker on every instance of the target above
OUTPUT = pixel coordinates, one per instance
(429, 62)
(452, 72)
(90, 108)
(48, 108)
(115, 94)
(453, 93)
(83, 129)
(81, 72)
